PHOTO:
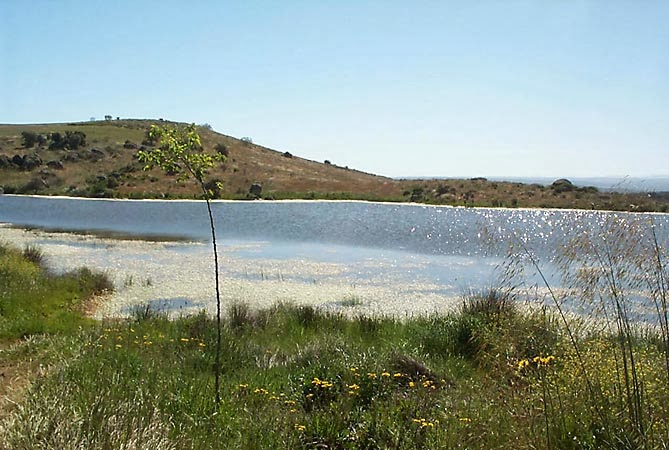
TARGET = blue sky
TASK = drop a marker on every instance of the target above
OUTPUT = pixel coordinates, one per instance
(429, 88)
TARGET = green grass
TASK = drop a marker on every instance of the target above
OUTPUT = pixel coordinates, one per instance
(33, 301)
(489, 375)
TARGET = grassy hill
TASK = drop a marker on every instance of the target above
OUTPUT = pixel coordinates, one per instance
(105, 165)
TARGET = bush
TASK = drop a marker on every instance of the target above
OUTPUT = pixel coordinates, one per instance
(28, 139)
(72, 140)
(222, 149)
(34, 254)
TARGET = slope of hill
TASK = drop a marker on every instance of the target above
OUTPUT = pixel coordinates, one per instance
(98, 159)
(106, 166)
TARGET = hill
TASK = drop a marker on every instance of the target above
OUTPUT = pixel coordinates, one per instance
(106, 166)
(98, 159)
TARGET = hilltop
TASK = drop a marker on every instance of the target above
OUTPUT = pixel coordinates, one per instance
(98, 159)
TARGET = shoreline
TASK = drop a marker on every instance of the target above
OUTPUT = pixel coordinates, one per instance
(263, 201)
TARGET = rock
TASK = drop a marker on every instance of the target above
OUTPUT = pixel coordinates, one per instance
(55, 164)
(5, 162)
(72, 157)
(97, 154)
(27, 162)
(255, 190)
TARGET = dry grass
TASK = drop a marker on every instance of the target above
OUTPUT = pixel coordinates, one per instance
(118, 174)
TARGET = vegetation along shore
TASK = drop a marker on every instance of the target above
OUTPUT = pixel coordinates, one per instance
(491, 374)
(99, 159)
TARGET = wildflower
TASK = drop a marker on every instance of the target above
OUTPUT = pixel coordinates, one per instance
(523, 363)
(293, 410)
(353, 386)
(397, 375)
(543, 360)
(299, 427)
(353, 369)
(118, 346)
(427, 383)
(385, 374)
(184, 339)
(290, 402)
(261, 391)
(547, 360)
(371, 375)
(465, 419)
(424, 423)
(242, 386)
(412, 384)
(202, 344)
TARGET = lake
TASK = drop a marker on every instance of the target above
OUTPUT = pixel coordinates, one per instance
(359, 257)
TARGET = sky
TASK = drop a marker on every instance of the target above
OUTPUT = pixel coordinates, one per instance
(543, 88)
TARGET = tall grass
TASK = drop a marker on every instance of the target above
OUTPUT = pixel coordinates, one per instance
(491, 374)
(618, 273)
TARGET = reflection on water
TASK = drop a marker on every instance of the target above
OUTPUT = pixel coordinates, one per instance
(393, 259)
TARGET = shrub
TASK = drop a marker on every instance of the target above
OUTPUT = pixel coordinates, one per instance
(28, 139)
(34, 254)
(72, 140)
(222, 149)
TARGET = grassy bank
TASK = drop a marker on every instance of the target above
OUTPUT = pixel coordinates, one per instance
(490, 375)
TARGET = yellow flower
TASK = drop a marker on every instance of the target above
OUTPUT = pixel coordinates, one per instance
(412, 384)
(353, 386)
(299, 427)
(202, 344)
(184, 339)
(118, 346)
(397, 375)
(371, 375)
(465, 419)
(385, 374)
